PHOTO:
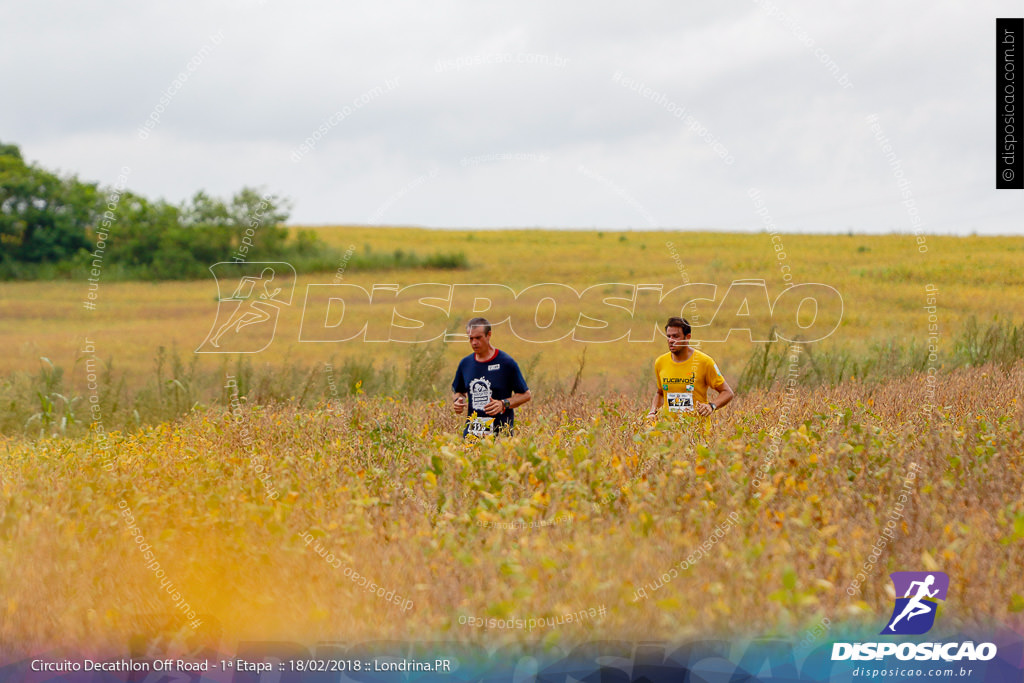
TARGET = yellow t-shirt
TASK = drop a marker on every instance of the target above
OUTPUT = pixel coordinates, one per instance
(685, 384)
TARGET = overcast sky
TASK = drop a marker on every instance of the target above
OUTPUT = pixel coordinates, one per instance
(476, 113)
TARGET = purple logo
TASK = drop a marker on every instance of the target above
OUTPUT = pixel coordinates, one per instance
(917, 596)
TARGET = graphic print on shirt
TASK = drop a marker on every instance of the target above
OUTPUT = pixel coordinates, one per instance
(480, 395)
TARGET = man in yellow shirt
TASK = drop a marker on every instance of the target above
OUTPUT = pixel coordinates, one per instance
(684, 374)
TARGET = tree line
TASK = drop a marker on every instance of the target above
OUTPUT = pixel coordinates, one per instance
(57, 226)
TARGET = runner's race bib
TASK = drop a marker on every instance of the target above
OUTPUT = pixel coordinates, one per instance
(481, 425)
(680, 401)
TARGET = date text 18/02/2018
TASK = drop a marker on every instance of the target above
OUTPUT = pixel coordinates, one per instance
(373, 664)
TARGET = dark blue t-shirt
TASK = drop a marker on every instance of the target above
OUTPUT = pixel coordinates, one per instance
(497, 378)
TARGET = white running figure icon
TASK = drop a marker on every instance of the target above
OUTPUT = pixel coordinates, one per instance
(915, 606)
(252, 311)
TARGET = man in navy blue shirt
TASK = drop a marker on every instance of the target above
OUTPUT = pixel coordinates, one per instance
(491, 382)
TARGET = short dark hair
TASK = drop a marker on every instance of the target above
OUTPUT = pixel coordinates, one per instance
(676, 321)
(479, 322)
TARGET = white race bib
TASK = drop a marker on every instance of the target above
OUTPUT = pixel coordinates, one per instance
(481, 426)
(680, 401)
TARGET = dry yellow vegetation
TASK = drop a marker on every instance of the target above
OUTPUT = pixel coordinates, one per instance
(587, 507)
(260, 514)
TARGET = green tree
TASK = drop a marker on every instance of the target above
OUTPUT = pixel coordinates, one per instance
(137, 233)
(43, 217)
(251, 219)
(48, 219)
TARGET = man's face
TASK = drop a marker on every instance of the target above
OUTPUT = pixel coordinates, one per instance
(676, 340)
(478, 340)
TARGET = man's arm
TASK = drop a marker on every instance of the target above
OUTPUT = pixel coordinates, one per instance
(659, 397)
(712, 375)
(459, 391)
(497, 407)
(725, 394)
(516, 400)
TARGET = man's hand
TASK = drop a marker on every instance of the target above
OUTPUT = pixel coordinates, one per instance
(494, 407)
(459, 405)
(704, 409)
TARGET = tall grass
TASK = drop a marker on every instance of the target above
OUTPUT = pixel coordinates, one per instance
(770, 364)
(1000, 342)
(391, 490)
(45, 403)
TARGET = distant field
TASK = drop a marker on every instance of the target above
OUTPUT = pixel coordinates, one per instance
(881, 280)
(260, 508)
